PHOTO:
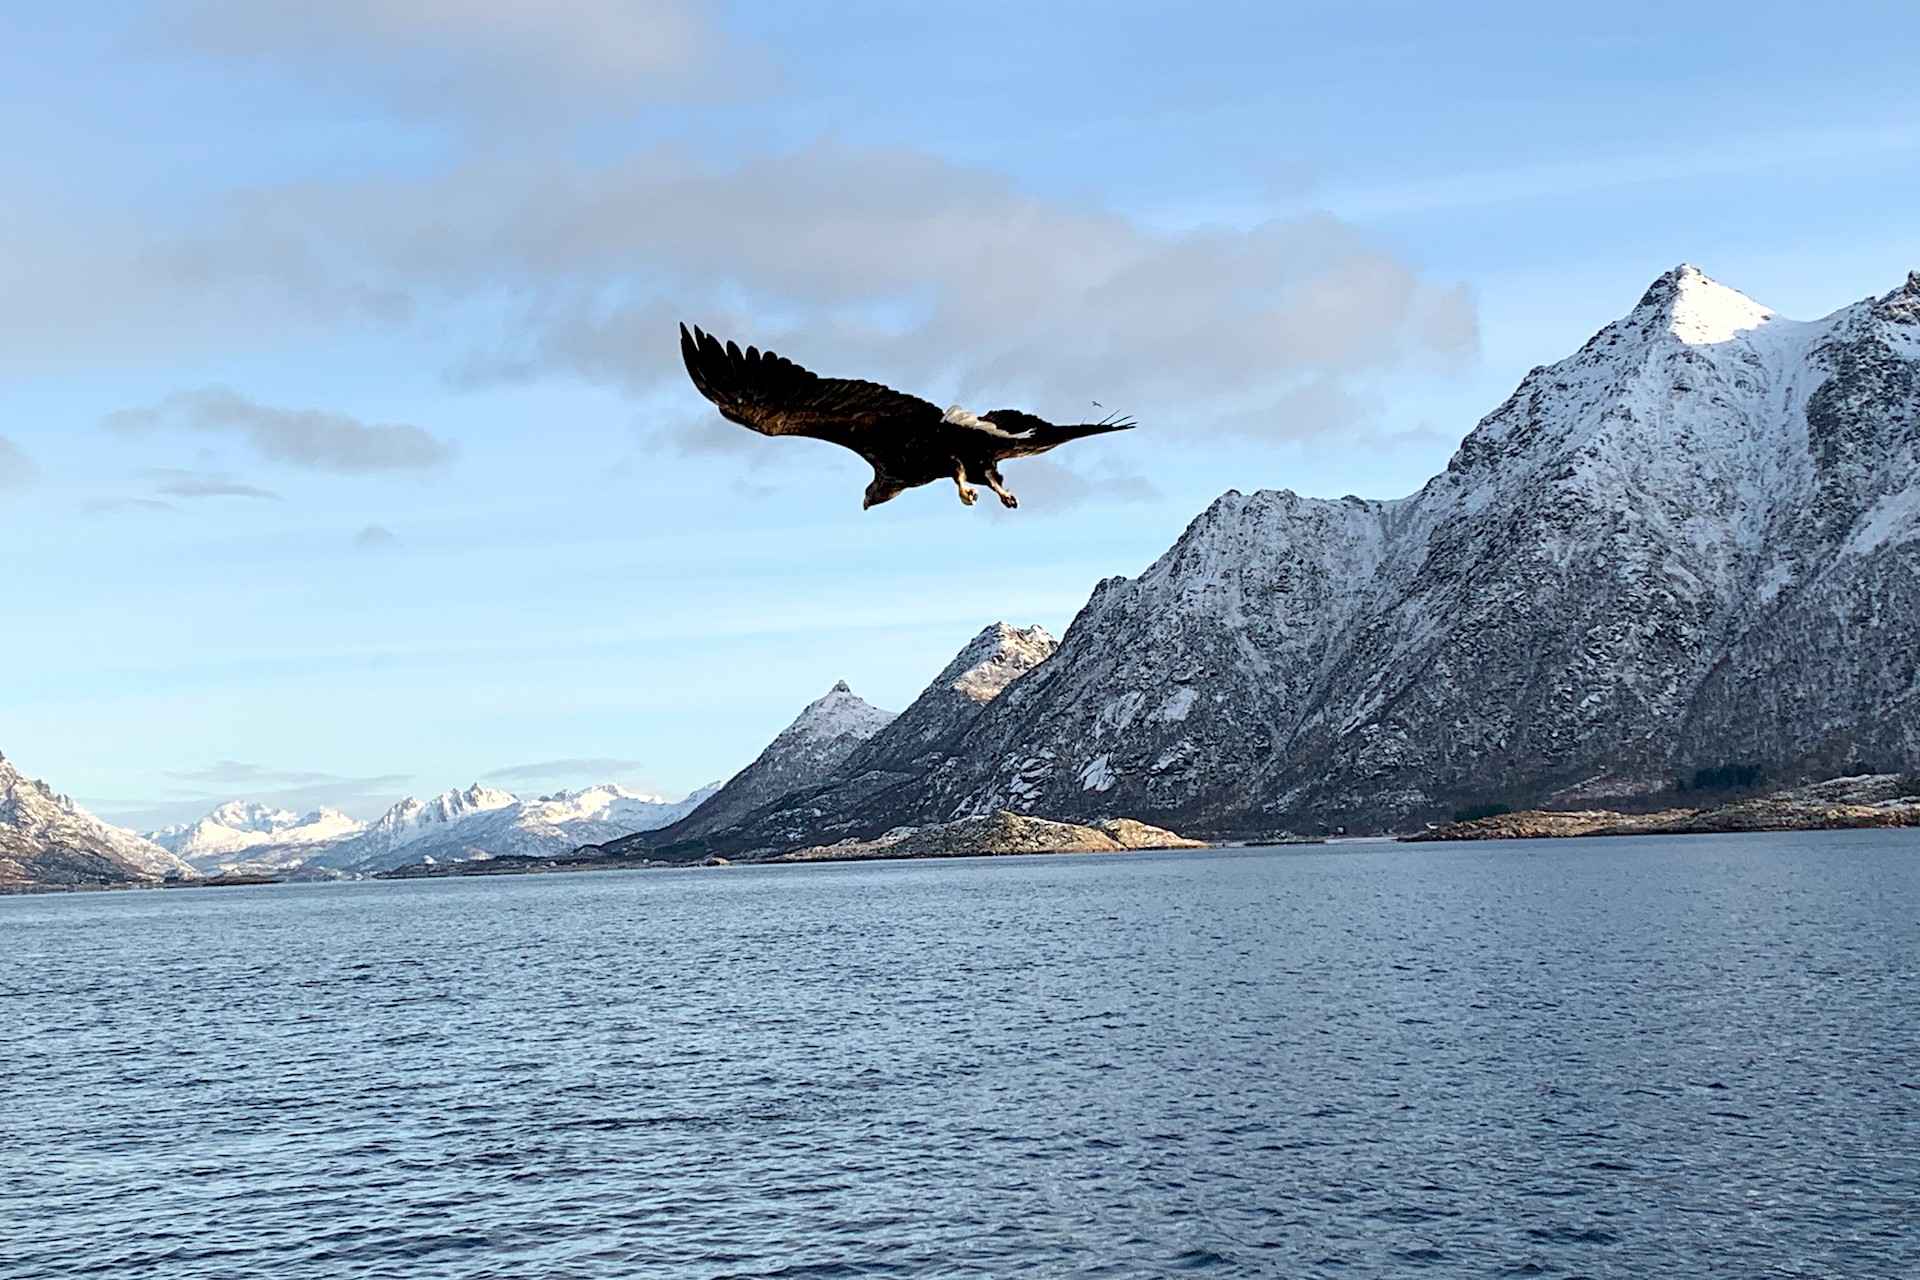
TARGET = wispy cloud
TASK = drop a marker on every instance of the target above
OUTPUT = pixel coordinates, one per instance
(99, 505)
(1046, 487)
(363, 796)
(569, 769)
(203, 484)
(886, 263)
(375, 537)
(505, 64)
(314, 439)
(16, 468)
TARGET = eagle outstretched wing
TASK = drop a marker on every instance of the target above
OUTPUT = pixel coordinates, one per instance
(1034, 434)
(776, 397)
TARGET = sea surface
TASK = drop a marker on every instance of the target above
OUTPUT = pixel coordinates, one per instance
(1674, 1056)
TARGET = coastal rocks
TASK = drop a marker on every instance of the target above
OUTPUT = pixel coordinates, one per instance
(1874, 800)
(996, 834)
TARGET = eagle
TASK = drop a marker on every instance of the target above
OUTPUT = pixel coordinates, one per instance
(909, 441)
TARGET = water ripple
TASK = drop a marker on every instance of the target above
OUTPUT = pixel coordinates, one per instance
(1621, 1058)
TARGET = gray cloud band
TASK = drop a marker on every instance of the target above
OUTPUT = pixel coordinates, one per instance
(310, 438)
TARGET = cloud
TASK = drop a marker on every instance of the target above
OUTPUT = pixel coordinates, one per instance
(363, 796)
(375, 537)
(596, 768)
(201, 484)
(876, 262)
(314, 439)
(506, 64)
(1046, 487)
(16, 468)
(125, 504)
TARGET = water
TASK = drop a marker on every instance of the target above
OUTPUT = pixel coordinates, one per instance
(1658, 1057)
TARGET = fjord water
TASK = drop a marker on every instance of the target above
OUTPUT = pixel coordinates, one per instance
(1676, 1056)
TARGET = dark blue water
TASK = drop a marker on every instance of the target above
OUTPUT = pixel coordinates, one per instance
(1671, 1057)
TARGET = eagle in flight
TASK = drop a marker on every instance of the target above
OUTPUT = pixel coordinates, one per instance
(909, 441)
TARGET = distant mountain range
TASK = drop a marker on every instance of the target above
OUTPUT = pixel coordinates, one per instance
(1693, 544)
(256, 834)
(476, 822)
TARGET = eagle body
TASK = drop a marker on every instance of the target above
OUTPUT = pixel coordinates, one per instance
(908, 441)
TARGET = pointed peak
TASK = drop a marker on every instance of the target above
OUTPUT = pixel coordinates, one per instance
(839, 711)
(996, 658)
(1698, 309)
(1903, 304)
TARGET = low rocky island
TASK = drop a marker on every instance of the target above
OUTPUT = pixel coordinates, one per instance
(1867, 800)
(997, 834)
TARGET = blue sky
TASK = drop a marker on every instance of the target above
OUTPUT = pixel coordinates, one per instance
(342, 449)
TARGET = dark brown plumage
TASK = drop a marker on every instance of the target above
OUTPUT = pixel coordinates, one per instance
(909, 441)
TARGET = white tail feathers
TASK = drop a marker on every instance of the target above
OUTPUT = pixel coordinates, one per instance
(961, 418)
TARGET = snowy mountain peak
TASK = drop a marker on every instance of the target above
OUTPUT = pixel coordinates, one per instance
(996, 658)
(37, 822)
(243, 825)
(1620, 578)
(1698, 309)
(840, 713)
(1902, 306)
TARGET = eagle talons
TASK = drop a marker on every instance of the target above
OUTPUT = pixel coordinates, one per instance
(999, 487)
(968, 494)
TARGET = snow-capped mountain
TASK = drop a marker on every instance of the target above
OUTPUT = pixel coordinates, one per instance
(1691, 543)
(242, 833)
(479, 823)
(409, 822)
(47, 839)
(876, 779)
(1694, 542)
(802, 755)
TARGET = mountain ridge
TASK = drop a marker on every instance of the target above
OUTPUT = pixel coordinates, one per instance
(1618, 578)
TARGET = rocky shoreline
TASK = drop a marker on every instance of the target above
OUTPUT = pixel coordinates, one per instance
(999, 834)
(1865, 801)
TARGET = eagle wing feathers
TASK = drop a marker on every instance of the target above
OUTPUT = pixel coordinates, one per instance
(776, 397)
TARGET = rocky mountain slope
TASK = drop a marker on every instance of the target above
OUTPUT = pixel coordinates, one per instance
(48, 841)
(1692, 542)
(877, 780)
(801, 756)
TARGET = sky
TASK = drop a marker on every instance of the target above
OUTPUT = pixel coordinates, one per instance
(344, 451)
